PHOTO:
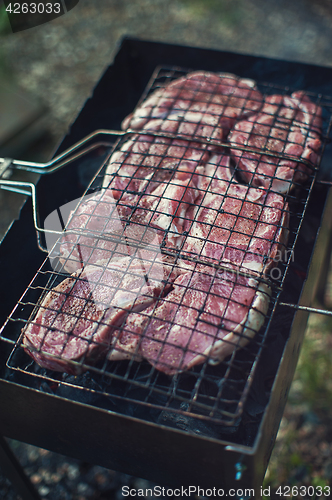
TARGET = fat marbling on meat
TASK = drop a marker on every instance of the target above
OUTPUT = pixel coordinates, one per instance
(200, 104)
(76, 320)
(234, 223)
(206, 316)
(289, 126)
(148, 184)
(180, 194)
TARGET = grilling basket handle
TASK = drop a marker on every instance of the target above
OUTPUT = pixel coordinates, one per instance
(68, 156)
(78, 150)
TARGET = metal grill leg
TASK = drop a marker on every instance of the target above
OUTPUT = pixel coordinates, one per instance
(322, 284)
(13, 470)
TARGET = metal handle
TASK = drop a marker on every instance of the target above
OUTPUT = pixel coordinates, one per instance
(62, 159)
(68, 156)
(315, 310)
(15, 186)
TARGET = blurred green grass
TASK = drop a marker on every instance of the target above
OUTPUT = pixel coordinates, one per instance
(313, 381)
(309, 405)
(226, 11)
(303, 451)
(5, 71)
(4, 22)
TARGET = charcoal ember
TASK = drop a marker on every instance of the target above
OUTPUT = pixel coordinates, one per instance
(95, 390)
(85, 389)
(194, 425)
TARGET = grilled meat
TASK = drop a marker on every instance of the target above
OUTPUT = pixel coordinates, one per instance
(206, 317)
(286, 125)
(200, 104)
(179, 196)
(226, 222)
(234, 223)
(148, 183)
(76, 319)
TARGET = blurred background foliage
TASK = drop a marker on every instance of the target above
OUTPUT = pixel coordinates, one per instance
(226, 11)
(59, 62)
(4, 30)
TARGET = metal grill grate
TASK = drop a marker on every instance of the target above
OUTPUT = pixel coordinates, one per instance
(133, 227)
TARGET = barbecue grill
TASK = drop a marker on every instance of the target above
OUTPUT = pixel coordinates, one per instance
(214, 426)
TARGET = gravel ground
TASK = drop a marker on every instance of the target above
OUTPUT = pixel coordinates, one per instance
(56, 477)
(60, 63)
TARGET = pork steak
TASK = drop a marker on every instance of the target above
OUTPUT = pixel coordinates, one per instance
(233, 223)
(206, 317)
(122, 301)
(200, 104)
(289, 126)
(76, 320)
